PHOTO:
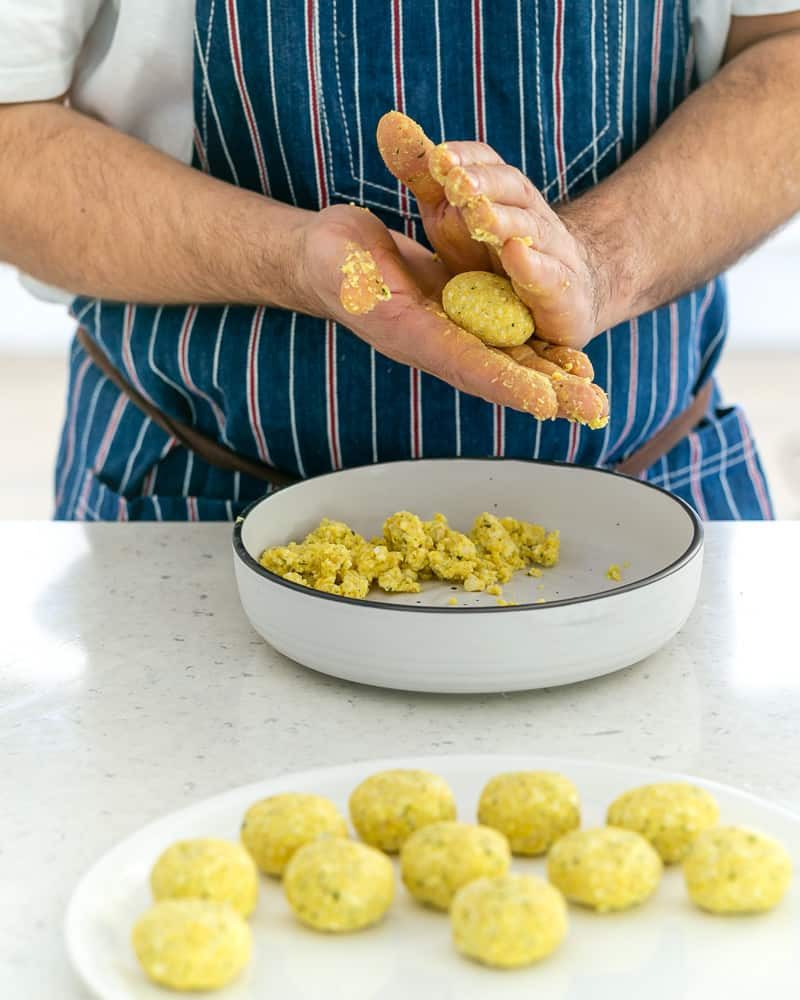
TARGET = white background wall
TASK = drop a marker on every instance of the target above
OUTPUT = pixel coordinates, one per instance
(765, 314)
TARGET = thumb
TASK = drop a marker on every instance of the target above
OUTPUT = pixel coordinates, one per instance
(405, 148)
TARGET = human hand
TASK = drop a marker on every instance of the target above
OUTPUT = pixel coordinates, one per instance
(481, 214)
(348, 267)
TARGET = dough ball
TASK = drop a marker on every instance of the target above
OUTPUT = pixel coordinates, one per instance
(532, 808)
(731, 869)
(439, 859)
(487, 306)
(207, 869)
(274, 828)
(339, 885)
(508, 921)
(605, 868)
(389, 806)
(670, 815)
(192, 944)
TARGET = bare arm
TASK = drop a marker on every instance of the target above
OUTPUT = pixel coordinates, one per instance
(718, 176)
(91, 210)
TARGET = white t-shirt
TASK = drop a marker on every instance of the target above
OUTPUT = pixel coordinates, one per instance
(129, 63)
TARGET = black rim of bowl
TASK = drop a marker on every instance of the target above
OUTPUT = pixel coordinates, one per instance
(691, 551)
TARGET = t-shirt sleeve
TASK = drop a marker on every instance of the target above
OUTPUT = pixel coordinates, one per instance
(758, 8)
(40, 41)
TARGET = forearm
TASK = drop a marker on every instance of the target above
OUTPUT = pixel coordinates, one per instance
(719, 175)
(95, 212)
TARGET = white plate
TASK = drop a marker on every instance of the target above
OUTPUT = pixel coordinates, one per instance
(588, 626)
(665, 950)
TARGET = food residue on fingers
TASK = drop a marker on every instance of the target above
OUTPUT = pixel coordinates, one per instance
(440, 162)
(405, 147)
(479, 217)
(362, 285)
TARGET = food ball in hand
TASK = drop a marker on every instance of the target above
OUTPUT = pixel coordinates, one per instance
(487, 306)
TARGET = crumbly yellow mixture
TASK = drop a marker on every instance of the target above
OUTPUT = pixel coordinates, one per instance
(362, 283)
(487, 306)
(337, 560)
(614, 573)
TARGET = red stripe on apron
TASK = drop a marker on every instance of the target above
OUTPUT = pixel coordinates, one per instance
(558, 97)
(333, 415)
(236, 54)
(200, 150)
(252, 386)
(479, 98)
(414, 377)
(654, 62)
(696, 458)
(70, 456)
(186, 375)
(755, 475)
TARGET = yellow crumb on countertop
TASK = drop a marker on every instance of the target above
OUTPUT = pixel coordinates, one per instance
(453, 602)
(335, 559)
(614, 573)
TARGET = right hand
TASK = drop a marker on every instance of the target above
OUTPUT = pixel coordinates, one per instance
(408, 324)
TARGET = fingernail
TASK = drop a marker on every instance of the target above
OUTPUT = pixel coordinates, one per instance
(459, 187)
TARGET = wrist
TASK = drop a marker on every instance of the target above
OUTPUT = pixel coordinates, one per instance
(608, 254)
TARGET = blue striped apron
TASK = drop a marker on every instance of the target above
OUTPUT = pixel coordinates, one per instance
(287, 94)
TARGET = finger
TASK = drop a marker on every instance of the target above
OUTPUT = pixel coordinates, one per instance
(573, 362)
(405, 149)
(547, 284)
(498, 182)
(578, 400)
(427, 270)
(496, 224)
(423, 336)
(447, 155)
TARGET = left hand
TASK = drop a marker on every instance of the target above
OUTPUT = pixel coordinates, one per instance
(481, 214)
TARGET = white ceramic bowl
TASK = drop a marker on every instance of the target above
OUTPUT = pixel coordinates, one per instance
(587, 626)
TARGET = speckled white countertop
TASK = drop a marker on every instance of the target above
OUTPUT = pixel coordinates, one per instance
(131, 684)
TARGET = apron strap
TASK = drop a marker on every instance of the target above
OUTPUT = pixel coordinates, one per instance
(205, 447)
(224, 458)
(669, 436)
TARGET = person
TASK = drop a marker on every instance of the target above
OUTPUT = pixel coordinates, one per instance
(194, 176)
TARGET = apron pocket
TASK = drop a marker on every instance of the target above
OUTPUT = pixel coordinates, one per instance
(547, 94)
